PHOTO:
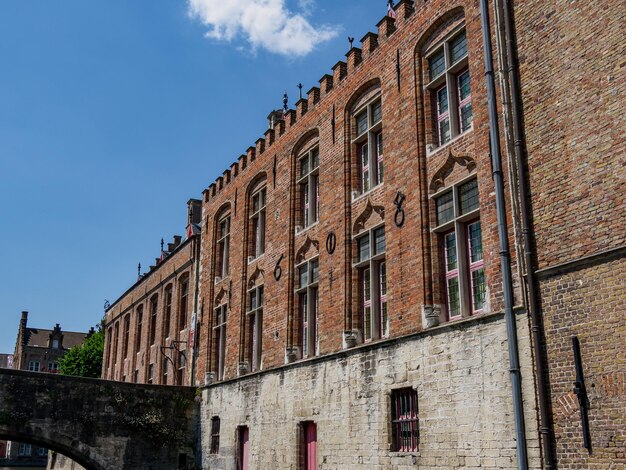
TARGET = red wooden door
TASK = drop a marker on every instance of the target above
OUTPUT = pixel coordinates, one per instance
(245, 448)
(311, 446)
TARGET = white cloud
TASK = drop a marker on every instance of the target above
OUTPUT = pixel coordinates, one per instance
(264, 24)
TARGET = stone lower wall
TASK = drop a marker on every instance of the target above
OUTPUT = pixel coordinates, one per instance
(588, 302)
(461, 375)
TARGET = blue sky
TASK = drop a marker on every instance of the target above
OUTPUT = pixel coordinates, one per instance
(113, 114)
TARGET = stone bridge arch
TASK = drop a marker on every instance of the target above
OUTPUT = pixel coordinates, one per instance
(100, 424)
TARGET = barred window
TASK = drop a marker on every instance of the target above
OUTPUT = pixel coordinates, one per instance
(215, 435)
(404, 420)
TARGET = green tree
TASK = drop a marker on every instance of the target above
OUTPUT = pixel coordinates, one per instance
(85, 360)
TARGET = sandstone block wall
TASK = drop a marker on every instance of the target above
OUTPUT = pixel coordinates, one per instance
(461, 376)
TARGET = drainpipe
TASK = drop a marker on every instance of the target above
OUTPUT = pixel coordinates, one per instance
(505, 256)
(545, 426)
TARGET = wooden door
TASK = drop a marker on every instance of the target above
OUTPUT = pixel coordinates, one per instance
(311, 446)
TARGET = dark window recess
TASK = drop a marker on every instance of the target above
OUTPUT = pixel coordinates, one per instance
(405, 420)
(215, 435)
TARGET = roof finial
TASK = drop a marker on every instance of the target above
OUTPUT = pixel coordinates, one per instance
(350, 40)
(300, 87)
(285, 101)
(139, 270)
(162, 245)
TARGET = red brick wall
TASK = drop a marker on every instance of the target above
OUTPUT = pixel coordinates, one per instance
(169, 273)
(413, 271)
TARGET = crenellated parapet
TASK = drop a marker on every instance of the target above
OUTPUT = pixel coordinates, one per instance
(281, 122)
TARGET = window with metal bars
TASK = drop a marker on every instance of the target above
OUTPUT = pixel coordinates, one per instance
(404, 420)
(215, 435)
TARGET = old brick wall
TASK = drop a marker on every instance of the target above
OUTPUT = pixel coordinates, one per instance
(325, 116)
(465, 412)
(170, 273)
(588, 302)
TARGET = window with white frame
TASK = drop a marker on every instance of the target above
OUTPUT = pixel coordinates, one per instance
(372, 277)
(257, 223)
(126, 335)
(223, 246)
(34, 366)
(138, 329)
(154, 308)
(255, 327)
(369, 145)
(460, 238)
(167, 313)
(308, 301)
(220, 340)
(308, 186)
(182, 303)
(448, 86)
(53, 367)
(42, 451)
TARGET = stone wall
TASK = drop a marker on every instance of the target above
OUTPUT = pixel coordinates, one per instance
(461, 375)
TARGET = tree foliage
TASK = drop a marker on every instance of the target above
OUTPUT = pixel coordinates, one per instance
(85, 360)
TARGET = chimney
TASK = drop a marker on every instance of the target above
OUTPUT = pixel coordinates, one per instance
(194, 211)
(177, 239)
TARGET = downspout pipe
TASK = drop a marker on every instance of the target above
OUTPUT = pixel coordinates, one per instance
(505, 255)
(545, 425)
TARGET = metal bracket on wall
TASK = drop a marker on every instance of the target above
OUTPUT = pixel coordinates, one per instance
(278, 271)
(581, 392)
(399, 216)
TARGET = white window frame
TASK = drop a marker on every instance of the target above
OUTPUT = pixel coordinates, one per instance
(257, 221)
(25, 450)
(34, 366)
(448, 79)
(254, 315)
(372, 277)
(458, 226)
(221, 317)
(308, 186)
(307, 291)
(368, 144)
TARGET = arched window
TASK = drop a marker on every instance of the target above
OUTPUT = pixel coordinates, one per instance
(222, 249)
(256, 222)
(154, 306)
(447, 91)
(167, 312)
(183, 302)
(367, 125)
(126, 335)
(308, 187)
(139, 328)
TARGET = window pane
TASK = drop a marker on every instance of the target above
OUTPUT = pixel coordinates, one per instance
(468, 195)
(365, 167)
(466, 117)
(303, 273)
(453, 297)
(383, 278)
(315, 271)
(367, 291)
(315, 157)
(458, 47)
(450, 252)
(380, 173)
(478, 289)
(442, 101)
(304, 165)
(436, 64)
(444, 131)
(364, 248)
(253, 303)
(445, 208)
(464, 85)
(379, 240)
(376, 112)
(361, 123)
(475, 242)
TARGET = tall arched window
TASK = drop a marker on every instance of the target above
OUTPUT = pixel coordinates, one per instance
(222, 248)
(308, 187)
(183, 302)
(167, 312)
(154, 306)
(369, 144)
(219, 334)
(256, 223)
(447, 91)
(139, 328)
(126, 335)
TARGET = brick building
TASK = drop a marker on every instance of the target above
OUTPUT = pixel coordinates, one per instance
(351, 297)
(150, 328)
(36, 350)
